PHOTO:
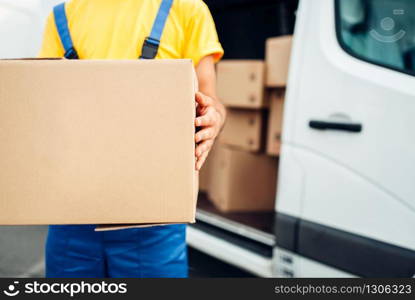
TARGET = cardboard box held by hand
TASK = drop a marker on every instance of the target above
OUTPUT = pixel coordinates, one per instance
(97, 142)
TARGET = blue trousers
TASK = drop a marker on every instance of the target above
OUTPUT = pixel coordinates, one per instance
(77, 251)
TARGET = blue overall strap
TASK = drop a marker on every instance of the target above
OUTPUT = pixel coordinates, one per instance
(61, 22)
(152, 43)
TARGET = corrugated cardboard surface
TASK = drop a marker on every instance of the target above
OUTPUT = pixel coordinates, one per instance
(243, 181)
(97, 142)
(275, 122)
(244, 129)
(240, 83)
(278, 53)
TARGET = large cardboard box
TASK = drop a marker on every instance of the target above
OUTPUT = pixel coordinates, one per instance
(245, 129)
(97, 142)
(240, 83)
(243, 181)
(275, 121)
(278, 53)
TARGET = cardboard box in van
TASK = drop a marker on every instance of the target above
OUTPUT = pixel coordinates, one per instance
(243, 181)
(97, 142)
(275, 122)
(240, 83)
(278, 53)
(244, 129)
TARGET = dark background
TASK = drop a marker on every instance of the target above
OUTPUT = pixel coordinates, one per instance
(244, 25)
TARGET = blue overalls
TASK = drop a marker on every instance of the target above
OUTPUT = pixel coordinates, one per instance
(74, 251)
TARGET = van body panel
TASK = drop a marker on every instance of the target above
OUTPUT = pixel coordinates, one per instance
(361, 183)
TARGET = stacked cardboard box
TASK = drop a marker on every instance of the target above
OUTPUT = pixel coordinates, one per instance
(241, 172)
(278, 53)
(242, 181)
(274, 130)
(241, 88)
(277, 57)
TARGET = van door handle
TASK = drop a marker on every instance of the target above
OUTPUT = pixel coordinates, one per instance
(324, 125)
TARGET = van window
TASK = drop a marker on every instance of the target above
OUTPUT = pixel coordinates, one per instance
(379, 31)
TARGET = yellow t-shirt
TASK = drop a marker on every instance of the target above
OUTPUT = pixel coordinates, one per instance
(116, 29)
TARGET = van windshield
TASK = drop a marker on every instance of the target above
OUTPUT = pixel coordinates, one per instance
(379, 31)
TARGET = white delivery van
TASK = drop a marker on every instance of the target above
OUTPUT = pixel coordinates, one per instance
(346, 198)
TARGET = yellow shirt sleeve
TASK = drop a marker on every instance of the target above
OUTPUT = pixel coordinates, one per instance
(51, 45)
(201, 36)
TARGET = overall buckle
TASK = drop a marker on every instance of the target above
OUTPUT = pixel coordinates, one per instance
(150, 48)
(71, 54)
